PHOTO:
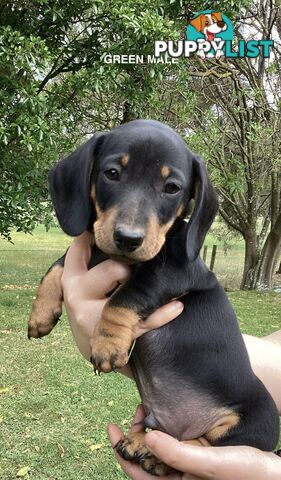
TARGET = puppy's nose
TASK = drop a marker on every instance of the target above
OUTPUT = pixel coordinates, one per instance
(221, 23)
(127, 240)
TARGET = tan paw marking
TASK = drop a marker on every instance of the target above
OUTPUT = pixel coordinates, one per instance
(132, 448)
(113, 338)
(47, 307)
(108, 354)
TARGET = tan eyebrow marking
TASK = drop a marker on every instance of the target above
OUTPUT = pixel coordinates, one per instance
(125, 160)
(165, 171)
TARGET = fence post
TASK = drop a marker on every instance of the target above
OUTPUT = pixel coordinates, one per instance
(213, 257)
(205, 253)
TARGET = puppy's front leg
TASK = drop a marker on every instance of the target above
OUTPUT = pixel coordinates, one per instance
(148, 289)
(47, 306)
(113, 337)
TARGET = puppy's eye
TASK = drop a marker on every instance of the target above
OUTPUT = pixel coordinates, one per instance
(112, 174)
(171, 188)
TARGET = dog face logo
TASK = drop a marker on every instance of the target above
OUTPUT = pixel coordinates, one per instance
(209, 28)
(209, 25)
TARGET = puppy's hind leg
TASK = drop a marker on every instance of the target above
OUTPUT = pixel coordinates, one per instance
(47, 306)
(132, 447)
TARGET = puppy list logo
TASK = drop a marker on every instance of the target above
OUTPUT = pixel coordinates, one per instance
(210, 30)
(211, 34)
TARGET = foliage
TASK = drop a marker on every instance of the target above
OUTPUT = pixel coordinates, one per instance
(55, 89)
(51, 79)
(235, 123)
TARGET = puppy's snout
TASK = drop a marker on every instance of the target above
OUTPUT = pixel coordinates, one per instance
(128, 240)
(221, 23)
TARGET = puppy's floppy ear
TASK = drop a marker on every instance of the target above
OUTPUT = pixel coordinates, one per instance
(217, 16)
(69, 186)
(197, 23)
(205, 209)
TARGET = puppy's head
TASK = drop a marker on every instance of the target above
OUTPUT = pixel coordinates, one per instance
(129, 186)
(209, 24)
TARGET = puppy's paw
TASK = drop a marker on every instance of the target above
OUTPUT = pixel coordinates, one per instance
(132, 448)
(108, 353)
(113, 338)
(43, 318)
(219, 54)
(201, 54)
(47, 306)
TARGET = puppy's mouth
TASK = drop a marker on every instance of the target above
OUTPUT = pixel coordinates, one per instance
(126, 244)
(122, 259)
(146, 252)
(210, 35)
(141, 255)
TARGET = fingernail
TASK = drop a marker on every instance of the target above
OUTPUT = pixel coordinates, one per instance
(178, 305)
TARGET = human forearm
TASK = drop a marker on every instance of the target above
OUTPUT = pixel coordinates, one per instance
(265, 357)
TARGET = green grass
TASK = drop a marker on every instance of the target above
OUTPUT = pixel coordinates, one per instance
(258, 313)
(52, 407)
(228, 263)
(24, 262)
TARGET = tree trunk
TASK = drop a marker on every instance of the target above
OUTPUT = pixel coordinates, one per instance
(262, 278)
(250, 259)
(279, 269)
(128, 114)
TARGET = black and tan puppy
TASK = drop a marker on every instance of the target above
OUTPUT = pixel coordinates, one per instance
(132, 187)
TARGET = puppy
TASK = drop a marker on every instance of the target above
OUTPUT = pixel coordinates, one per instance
(132, 187)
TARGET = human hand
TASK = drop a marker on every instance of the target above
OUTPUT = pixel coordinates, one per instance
(85, 293)
(198, 463)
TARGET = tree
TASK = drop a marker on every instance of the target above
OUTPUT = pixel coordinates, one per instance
(236, 124)
(55, 89)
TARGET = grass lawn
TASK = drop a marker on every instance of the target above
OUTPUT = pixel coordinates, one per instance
(53, 410)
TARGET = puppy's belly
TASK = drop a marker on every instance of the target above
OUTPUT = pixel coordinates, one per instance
(180, 410)
(188, 374)
(167, 380)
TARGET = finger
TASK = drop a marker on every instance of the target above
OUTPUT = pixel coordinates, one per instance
(78, 255)
(185, 458)
(210, 462)
(138, 420)
(132, 469)
(160, 317)
(186, 476)
(96, 283)
(115, 434)
(103, 278)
